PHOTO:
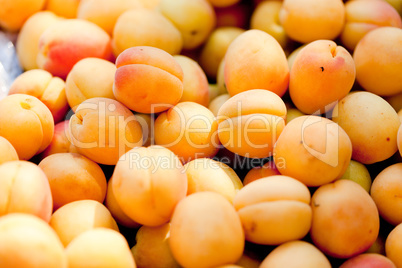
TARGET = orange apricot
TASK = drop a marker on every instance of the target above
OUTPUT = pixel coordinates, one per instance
(73, 177)
(189, 130)
(205, 231)
(24, 188)
(27, 241)
(103, 129)
(251, 122)
(313, 150)
(22, 113)
(335, 228)
(60, 143)
(64, 8)
(256, 173)
(148, 183)
(372, 260)
(393, 245)
(256, 60)
(142, 72)
(7, 151)
(14, 13)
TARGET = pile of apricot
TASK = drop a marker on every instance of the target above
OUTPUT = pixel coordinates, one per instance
(202, 133)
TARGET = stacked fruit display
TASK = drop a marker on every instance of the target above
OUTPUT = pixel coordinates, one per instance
(202, 133)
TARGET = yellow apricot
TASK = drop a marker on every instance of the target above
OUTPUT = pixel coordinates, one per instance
(393, 245)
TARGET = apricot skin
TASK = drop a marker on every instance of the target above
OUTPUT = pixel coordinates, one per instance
(7, 151)
(393, 245)
(335, 229)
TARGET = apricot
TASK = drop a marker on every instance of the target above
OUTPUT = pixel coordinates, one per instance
(24, 188)
(195, 82)
(27, 241)
(295, 254)
(205, 231)
(74, 218)
(215, 48)
(321, 74)
(313, 150)
(395, 101)
(359, 173)
(393, 245)
(189, 130)
(274, 210)
(312, 20)
(114, 208)
(256, 60)
(205, 174)
(251, 122)
(360, 114)
(335, 229)
(103, 129)
(28, 37)
(73, 177)
(152, 247)
(385, 192)
(217, 103)
(148, 183)
(292, 56)
(186, 16)
(364, 16)
(378, 60)
(64, 8)
(293, 113)
(14, 13)
(7, 151)
(105, 13)
(48, 89)
(265, 17)
(60, 143)
(256, 173)
(90, 78)
(21, 113)
(372, 260)
(99, 247)
(144, 27)
(142, 73)
(66, 42)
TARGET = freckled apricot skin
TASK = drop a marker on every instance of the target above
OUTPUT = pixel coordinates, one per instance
(27, 241)
(260, 63)
(141, 74)
(73, 177)
(189, 130)
(308, 145)
(22, 113)
(274, 210)
(378, 60)
(251, 122)
(360, 114)
(295, 254)
(74, 218)
(321, 74)
(148, 183)
(335, 229)
(24, 188)
(206, 221)
(393, 245)
(385, 192)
